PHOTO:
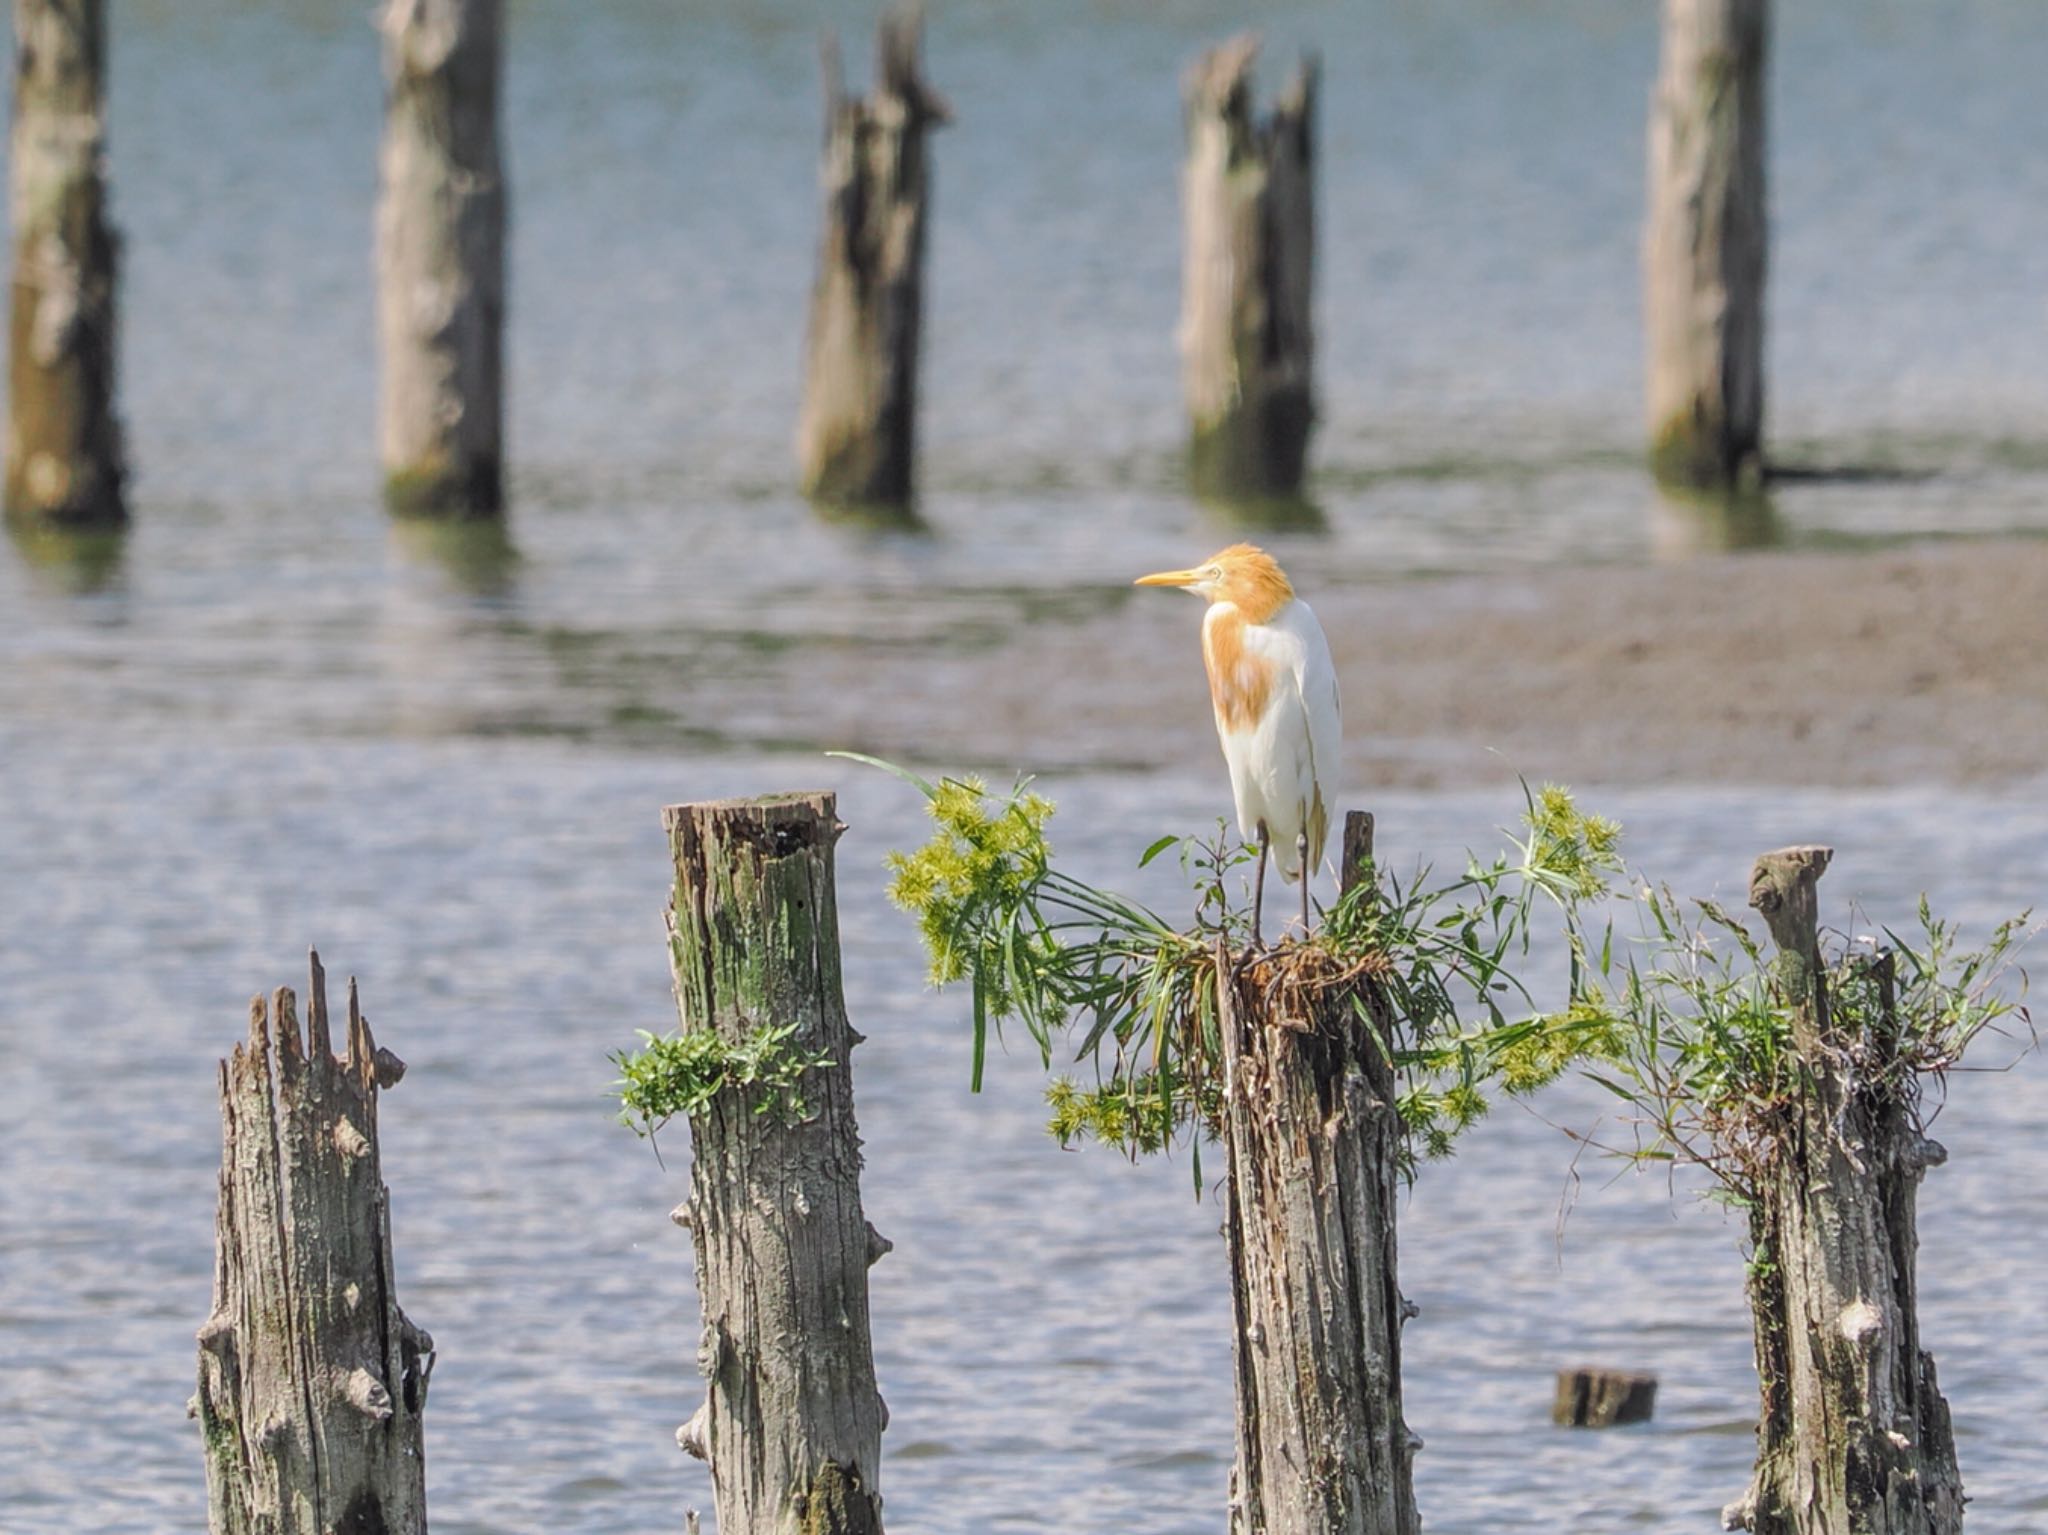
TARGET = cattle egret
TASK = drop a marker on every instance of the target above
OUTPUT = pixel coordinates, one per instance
(1274, 688)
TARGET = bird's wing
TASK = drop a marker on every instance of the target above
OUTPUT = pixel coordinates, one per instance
(1316, 674)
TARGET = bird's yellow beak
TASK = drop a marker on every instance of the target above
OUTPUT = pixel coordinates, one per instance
(1170, 578)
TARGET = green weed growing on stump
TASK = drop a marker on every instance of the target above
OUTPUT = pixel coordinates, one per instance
(1101, 980)
(1698, 1037)
(681, 1073)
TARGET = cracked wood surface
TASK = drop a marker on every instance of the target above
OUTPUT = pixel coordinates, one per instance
(792, 1420)
(312, 1381)
(1853, 1435)
(1312, 1141)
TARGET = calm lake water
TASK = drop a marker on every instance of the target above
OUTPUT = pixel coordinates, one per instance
(272, 719)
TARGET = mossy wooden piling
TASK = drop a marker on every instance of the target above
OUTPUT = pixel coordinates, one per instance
(1247, 336)
(1312, 1142)
(1853, 1436)
(1705, 247)
(312, 1382)
(64, 462)
(792, 1421)
(857, 435)
(441, 214)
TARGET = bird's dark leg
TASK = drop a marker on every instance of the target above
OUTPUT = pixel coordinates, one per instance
(1301, 852)
(1259, 888)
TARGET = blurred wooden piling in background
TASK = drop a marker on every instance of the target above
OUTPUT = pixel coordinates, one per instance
(1706, 244)
(857, 435)
(1312, 1141)
(792, 1420)
(1588, 1398)
(1247, 276)
(441, 259)
(1853, 1433)
(64, 460)
(312, 1382)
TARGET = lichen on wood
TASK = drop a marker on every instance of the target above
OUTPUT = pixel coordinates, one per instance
(64, 464)
(1706, 243)
(1247, 336)
(1853, 1436)
(441, 214)
(792, 1420)
(312, 1381)
(857, 435)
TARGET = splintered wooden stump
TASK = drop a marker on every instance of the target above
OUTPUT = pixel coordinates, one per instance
(1706, 243)
(1247, 334)
(441, 259)
(311, 1380)
(791, 1422)
(64, 462)
(857, 435)
(1312, 1140)
(1603, 1398)
(1853, 1436)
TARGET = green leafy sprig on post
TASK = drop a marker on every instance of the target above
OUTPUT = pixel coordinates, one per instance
(1135, 996)
(681, 1073)
(1699, 1045)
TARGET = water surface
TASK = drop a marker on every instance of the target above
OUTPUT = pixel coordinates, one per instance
(272, 719)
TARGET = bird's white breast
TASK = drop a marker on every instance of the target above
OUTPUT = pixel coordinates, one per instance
(1275, 691)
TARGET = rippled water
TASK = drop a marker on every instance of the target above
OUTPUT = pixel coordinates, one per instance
(271, 719)
(1052, 1329)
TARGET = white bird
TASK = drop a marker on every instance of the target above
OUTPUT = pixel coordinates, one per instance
(1274, 688)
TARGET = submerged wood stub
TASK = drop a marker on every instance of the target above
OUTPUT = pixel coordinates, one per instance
(1853, 1436)
(857, 435)
(1312, 1146)
(1589, 1398)
(312, 1381)
(792, 1422)
(441, 259)
(1706, 244)
(63, 456)
(1247, 336)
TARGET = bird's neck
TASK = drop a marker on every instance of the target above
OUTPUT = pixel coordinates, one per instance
(1249, 608)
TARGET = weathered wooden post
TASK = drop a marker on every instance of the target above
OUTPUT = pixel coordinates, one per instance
(792, 1421)
(1313, 1140)
(441, 259)
(857, 435)
(1704, 250)
(1248, 264)
(311, 1380)
(64, 466)
(1853, 1437)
